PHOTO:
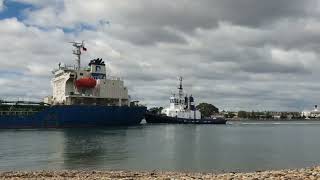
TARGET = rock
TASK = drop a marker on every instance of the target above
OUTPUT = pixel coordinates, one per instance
(306, 173)
(312, 177)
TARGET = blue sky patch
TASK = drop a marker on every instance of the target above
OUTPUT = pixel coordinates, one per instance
(10, 74)
(79, 28)
(14, 9)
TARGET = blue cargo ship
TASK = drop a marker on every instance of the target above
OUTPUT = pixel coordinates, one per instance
(82, 97)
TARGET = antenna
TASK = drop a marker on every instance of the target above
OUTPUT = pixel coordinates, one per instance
(180, 88)
(77, 51)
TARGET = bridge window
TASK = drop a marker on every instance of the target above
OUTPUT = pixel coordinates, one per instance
(176, 101)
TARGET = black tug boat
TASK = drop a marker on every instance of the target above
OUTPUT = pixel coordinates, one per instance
(182, 110)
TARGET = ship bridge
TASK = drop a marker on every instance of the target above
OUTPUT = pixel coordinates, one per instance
(88, 85)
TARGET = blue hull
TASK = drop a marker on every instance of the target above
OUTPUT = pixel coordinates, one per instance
(76, 116)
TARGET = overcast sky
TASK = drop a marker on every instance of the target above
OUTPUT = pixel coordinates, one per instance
(235, 54)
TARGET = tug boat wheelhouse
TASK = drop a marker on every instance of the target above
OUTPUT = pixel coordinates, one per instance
(182, 110)
(82, 97)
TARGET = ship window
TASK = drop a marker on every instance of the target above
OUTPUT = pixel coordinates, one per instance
(176, 101)
(81, 74)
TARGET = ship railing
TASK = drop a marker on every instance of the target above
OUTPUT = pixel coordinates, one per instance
(2, 102)
(68, 66)
(64, 67)
(114, 78)
(16, 113)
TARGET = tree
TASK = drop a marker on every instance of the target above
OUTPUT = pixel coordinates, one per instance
(242, 114)
(207, 109)
(268, 115)
(283, 116)
(156, 110)
(253, 115)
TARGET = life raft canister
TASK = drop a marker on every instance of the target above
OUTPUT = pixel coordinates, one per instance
(86, 82)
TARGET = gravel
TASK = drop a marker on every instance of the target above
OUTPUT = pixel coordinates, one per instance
(303, 174)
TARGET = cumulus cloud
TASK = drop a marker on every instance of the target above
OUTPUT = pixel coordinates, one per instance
(185, 14)
(244, 54)
(1, 5)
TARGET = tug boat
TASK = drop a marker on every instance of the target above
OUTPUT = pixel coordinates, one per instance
(82, 97)
(182, 110)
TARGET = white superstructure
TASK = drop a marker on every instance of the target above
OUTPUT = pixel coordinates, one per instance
(182, 106)
(86, 85)
(315, 113)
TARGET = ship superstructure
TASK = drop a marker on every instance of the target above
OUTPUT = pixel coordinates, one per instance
(74, 85)
(182, 106)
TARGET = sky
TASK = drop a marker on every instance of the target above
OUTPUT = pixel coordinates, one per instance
(235, 54)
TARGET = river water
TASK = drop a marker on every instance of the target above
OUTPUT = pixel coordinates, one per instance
(238, 146)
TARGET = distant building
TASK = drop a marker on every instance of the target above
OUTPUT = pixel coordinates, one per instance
(276, 117)
(315, 113)
(305, 113)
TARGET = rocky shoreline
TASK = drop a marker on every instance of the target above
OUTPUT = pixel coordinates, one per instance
(303, 174)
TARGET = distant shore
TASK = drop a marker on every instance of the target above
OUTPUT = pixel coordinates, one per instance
(271, 120)
(305, 173)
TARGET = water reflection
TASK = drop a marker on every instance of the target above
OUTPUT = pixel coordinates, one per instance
(238, 147)
(94, 148)
(185, 144)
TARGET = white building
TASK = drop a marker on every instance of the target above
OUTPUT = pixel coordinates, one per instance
(315, 113)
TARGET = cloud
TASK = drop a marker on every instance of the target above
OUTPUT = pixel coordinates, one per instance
(243, 54)
(1, 5)
(184, 14)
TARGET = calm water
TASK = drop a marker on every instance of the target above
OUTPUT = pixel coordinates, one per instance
(235, 147)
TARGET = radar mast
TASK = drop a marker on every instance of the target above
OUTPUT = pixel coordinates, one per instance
(77, 51)
(180, 88)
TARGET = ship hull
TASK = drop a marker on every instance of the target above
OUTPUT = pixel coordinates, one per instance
(76, 116)
(156, 119)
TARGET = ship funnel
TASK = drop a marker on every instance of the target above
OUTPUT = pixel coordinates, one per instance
(316, 107)
(191, 101)
(186, 102)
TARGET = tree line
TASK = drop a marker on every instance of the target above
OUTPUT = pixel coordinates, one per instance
(208, 110)
(268, 115)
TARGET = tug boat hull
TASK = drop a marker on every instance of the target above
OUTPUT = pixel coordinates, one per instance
(163, 119)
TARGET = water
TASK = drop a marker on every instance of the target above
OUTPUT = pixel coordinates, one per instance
(237, 147)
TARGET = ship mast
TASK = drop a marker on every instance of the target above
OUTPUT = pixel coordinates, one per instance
(77, 51)
(180, 88)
